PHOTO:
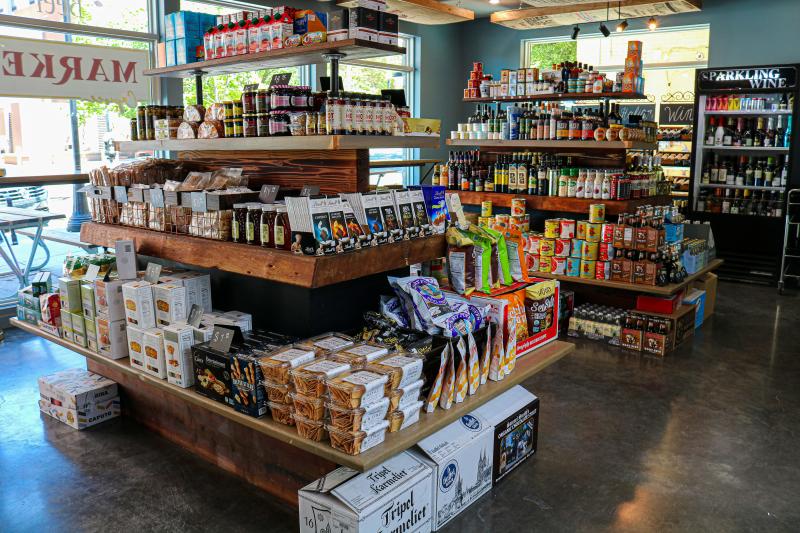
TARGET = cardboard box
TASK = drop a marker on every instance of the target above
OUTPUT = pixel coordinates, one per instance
(708, 283)
(697, 298)
(515, 417)
(66, 325)
(170, 303)
(112, 338)
(363, 24)
(76, 388)
(81, 419)
(178, 342)
(198, 289)
(631, 339)
(136, 347)
(108, 300)
(622, 270)
(388, 25)
(155, 363)
(680, 327)
(50, 305)
(212, 373)
(91, 334)
(247, 389)
(26, 299)
(394, 496)
(139, 306)
(169, 50)
(69, 291)
(87, 299)
(657, 304)
(460, 456)
(78, 330)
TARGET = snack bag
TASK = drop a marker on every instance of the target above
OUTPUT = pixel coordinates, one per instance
(462, 379)
(449, 383)
(487, 354)
(392, 309)
(498, 357)
(516, 246)
(502, 256)
(482, 258)
(511, 350)
(427, 299)
(436, 389)
(493, 262)
(474, 367)
(460, 261)
(516, 309)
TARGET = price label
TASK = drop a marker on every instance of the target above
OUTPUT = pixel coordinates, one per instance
(195, 315)
(157, 197)
(104, 193)
(87, 188)
(199, 202)
(268, 193)
(280, 79)
(152, 273)
(221, 339)
(309, 190)
(250, 87)
(91, 273)
(135, 194)
(121, 194)
(172, 198)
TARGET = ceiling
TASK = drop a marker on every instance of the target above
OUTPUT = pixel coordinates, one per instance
(483, 8)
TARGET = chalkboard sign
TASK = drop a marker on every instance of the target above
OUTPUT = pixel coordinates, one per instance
(646, 111)
(280, 79)
(676, 114)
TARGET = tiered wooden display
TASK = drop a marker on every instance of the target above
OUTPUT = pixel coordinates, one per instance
(558, 203)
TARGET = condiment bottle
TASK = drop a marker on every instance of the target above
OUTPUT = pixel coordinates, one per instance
(268, 214)
(369, 115)
(238, 222)
(348, 125)
(230, 39)
(253, 224)
(282, 233)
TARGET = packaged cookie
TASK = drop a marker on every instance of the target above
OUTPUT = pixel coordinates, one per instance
(307, 407)
(402, 418)
(359, 419)
(356, 442)
(402, 398)
(357, 389)
(282, 413)
(310, 429)
(358, 355)
(329, 342)
(276, 365)
(309, 379)
(402, 369)
(278, 392)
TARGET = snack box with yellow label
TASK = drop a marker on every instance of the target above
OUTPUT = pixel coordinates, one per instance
(83, 418)
(69, 291)
(108, 301)
(178, 342)
(112, 338)
(154, 361)
(422, 126)
(136, 347)
(139, 307)
(78, 329)
(170, 302)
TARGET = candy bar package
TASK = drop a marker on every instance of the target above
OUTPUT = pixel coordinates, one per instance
(358, 231)
(340, 233)
(320, 221)
(374, 217)
(405, 210)
(437, 207)
(421, 217)
(391, 221)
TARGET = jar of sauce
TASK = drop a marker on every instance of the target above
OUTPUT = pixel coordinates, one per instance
(238, 222)
(237, 109)
(134, 129)
(268, 214)
(249, 102)
(262, 101)
(282, 234)
(369, 115)
(250, 125)
(348, 123)
(253, 224)
(280, 98)
(228, 123)
(279, 123)
(141, 123)
(238, 127)
(262, 124)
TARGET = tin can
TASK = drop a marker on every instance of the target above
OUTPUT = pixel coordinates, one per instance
(580, 229)
(562, 248)
(544, 264)
(605, 252)
(587, 269)
(526, 224)
(607, 233)
(486, 208)
(551, 228)
(516, 222)
(577, 246)
(533, 243)
(485, 221)
(573, 267)
(558, 265)
(566, 228)
(589, 250)
(518, 207)
(602, 270)
(532, 262)
(597, 212)
(501, 220)
(593, 231)
(547, 247)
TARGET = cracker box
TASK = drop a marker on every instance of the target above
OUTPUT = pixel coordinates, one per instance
(78, 330)
(178, 341)
(136, 347)
(76, 388)
(515, 417)
(50, 305)
(393, 496)
(198, 289)
(154, 361)
(247, 391)
(460, 456)
(139, 306)
(108, 300)
(170, 303)
(112, 338)
(212, 373)
(82, 418)
(69, 290)
(91, 334)
(363, 24)
(87, 299)
(26, 299)
(66, 326)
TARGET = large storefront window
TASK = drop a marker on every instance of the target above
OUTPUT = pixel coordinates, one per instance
(117, 14)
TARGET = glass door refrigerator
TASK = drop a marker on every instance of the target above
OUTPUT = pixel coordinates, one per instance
(743, 155)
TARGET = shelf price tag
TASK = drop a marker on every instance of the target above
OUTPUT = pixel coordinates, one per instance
(221, 339)
(171, 198)
(280, 79)
(250, 87)
(157, 197)
(152, 273)
(268, 193)
(121, 194)
(195, 315)
(91, 273)
(199, 202)
(309, 190)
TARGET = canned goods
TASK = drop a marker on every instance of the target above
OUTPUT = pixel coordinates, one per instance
(558, 265)
(602, 270)
(573, 267)
(577, 245)
(597, 212)
(516, 222)
(607, 233)
(566, 228)
(545, 265)
(526, 224)
(547, 247)
(589, 250)
(533, 243)
(501, 220)
(551, 228)
(562, 248)
(532, 261)
(593, 232)
(580, 229)
(605, 252)
(486, 208)
(518, 207)
(588, 269)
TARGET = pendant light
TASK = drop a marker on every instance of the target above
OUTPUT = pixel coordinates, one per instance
(623, 25)
(603, 28)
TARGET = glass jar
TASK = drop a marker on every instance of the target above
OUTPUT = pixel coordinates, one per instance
(281, 232)
(238, 222)
(228, 123)
(347, 115)
(253, 224)
(268, 214)
(249, 125)
(248, 102)
(377, 116)
(262, 124)
(311, 123)
(297, 123)
(280, 98)
(262, 101)
(237, 109)
(369, 114)
(134, 129)
(228, 107)
(141, 123)
(279, 123)
(358, 115)
(150, 132)
(238, 128)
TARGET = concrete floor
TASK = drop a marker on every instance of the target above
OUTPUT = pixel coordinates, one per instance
(704, 440)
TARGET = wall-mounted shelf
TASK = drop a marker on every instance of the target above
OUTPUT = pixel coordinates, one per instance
(740, 187)
(765, 149)
(559, 203)
(422, 11)
(560, 96)
(557, 145)
(309, 142)
(750, 112)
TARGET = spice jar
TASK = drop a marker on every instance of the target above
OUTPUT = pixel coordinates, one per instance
(134, 129)
(282, 233)
(248, 102)
(262, 124)
(279, 123)
(238, 222)
(297, 123)
(141, 123)
(268, 214)
(262, 101)
(249, 125)
(253, 224)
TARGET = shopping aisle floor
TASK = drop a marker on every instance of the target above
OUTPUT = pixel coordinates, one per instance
(704, 440)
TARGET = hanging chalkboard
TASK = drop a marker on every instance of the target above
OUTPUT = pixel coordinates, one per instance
(646, 111)
(675, 114)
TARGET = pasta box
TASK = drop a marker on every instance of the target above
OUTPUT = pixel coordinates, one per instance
(178, 341)
(112, 338)
(154, 361)
(136, 347)
(82, 418)
(170, 303)
(76, 388)
(108, 299)
(139, 308)
(393, 496)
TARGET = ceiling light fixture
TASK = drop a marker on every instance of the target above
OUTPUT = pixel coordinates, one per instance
(603, 29)
(623, 25)
(575, 31)
(652, 24)
(494, 2)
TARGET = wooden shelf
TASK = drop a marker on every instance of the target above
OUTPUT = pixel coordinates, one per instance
(395, 443)
(52, 179)
(275, 265)
(558, 203)
(666, 290)
(310, 142)
(750, 112)
(557, 145)
(766, 149)
(422, 11)
(285, 57)
(559, 96)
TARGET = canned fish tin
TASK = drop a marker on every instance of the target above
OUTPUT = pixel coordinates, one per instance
(607, 233)
(533, 243)
(547, 247)
(605, 252)
(486, 208)
(544, 264)
(562, 248)
(593, 232)
(589, 250)
(577, 245)
(597, 212)
(580, 229)
(602, 270)
(566, 228)
(551, 228)
(518, 207)
(573, 267)
(532, 261)
(558, 265)
(588, 269)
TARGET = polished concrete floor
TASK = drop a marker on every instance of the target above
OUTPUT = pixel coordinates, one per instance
(704, 440)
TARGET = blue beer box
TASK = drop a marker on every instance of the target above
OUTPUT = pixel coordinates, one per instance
(189, 25)
(186, 50)
(169, 48)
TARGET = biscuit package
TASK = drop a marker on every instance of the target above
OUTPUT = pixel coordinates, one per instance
(473, 365)
(435, 393)
(449, 382)
(357, 389)
(462, 379)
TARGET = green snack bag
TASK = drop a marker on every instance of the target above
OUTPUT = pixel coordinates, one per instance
(502, 256)
(482, 250)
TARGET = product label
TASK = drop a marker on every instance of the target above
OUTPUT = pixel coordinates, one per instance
(372, 382)
(329, 368)
(374, 438)
(411, 367)
(332, 343)
(410, 395)
(411, 414)
(365, 350)
(374, 415)
(294, 357)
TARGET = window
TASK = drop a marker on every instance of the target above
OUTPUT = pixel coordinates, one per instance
(116, 14)
(391, 72)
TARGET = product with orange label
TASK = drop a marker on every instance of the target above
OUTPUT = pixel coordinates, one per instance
(515, 309)
(473, 365)
(135, 346)
(139, 306)
(498, 356)
(448, 394)
(154, 361)
(178, 342)
(435, 393)
(462, 379)
(170, 303)
(515, 248)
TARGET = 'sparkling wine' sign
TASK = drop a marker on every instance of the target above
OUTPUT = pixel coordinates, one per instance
(736, 79)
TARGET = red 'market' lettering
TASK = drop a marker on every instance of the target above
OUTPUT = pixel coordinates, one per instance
(74, 71)
(46, 66)
(14, 62)
(129, 72)
(97, 68)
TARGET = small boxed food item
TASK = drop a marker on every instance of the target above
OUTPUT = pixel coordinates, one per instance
(402, 398)
(87, 299)
(91, 334)
(402, 418)
(278, 392)
(402, 370)
(154, 361)
(78, 329)
(198, 289)
(329, 342)
(112, 338)
(82, 418)
(356, 442)
(357, 389)
(212, 373)
(387, 28)
(309, 379)
(247, 391)
(26, 299)
(136, 347)
(41, 283)
(276, 365)
(50, 305)
(139, 309)
(66, 326)
(69, 291)
(76, 388)
(241, 319)
(282, 413)
(108, 299)
(170, 303)
(360, 418)
(358, 355)
(308, 407)
(178, 342)
(310, 429)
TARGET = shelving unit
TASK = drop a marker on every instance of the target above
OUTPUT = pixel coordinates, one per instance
(755, 149)
(422, 11)
(558, 203)
(309, 142)
(556, 145)
(559, 96)
(750, 112)
(749, 187)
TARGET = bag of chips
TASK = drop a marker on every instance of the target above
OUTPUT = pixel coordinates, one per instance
(449, 383)
(438, 384)
(499, 240)
(462, 378)
(474, 367)
(482, 258)
(515, 248)
(427, 300)
(515, 308)
(460, 261)
(392, 309)
(511, 350)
